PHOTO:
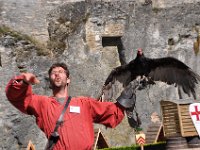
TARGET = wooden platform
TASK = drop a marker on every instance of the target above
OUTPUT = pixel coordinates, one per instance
(154, 133)
(176, 118)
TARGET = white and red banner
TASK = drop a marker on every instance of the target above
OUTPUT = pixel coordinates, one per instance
(194, 110)
(140, 139)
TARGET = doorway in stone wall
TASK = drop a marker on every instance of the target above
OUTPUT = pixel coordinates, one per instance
(115, 41)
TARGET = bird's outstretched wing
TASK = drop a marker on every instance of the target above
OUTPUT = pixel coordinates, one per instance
(121, 74)
(168, 69)
(173, 71)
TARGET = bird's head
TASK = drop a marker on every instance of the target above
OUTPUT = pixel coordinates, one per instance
(139, 52)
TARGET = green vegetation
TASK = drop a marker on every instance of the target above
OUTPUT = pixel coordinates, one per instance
(156, 10)
(155, 146)
(41, 48)
(138, 130)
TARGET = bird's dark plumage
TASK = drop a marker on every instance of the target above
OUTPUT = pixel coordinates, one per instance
(168, 69)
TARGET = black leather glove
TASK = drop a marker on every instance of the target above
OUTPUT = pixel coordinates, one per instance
(128, 97)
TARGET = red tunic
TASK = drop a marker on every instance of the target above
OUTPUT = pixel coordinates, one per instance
(76, 133)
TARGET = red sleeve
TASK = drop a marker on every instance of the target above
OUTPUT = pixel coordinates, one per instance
(19, 94)
(107, 113)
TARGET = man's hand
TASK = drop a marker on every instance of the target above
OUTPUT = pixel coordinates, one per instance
(128, 96)
(30, 78)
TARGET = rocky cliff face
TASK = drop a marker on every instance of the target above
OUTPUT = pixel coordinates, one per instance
(92, 37)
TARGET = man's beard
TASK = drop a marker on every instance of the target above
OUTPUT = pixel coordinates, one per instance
(53, 86)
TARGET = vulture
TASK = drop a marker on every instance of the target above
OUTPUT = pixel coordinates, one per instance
(167, 69)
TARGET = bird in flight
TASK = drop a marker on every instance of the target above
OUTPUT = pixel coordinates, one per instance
(167, 69)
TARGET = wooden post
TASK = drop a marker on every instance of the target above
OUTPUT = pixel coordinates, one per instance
(142, 147)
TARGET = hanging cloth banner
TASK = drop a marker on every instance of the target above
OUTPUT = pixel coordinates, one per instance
(194, 110)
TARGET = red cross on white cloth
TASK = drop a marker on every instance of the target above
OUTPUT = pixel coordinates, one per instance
(194, 111)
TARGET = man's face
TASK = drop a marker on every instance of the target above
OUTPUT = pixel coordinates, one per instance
(58, 77)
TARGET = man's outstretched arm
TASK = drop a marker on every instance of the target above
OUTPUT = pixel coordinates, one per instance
(18, 89)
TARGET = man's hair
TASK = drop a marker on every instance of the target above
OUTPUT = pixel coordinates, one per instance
(63, 65)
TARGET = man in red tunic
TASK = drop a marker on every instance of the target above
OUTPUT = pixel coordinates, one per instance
(76, 132)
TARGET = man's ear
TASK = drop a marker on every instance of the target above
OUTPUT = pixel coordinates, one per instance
(68, 80)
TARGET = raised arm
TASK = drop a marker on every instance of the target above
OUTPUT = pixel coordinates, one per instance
(19, 90)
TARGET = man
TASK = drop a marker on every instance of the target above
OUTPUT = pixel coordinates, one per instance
(76, 132)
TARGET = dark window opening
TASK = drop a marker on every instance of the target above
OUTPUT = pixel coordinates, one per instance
(115, 41)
